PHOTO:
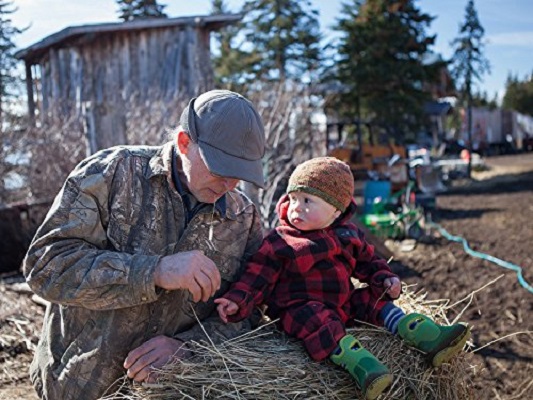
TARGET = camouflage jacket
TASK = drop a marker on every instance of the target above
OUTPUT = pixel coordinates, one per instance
(93, 258)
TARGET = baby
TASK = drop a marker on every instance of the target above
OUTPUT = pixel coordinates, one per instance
(303, 272)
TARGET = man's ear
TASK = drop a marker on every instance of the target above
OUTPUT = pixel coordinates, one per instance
(337, 214)
(182, 141)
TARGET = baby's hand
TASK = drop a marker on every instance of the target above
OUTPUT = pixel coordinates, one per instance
(226, 307)
(393, 287)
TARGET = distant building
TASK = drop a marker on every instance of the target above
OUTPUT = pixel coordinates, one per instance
(91, 71)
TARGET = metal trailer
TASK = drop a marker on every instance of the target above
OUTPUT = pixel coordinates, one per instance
(497, 131)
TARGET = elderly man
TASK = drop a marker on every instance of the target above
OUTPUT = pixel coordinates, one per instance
(138, 243)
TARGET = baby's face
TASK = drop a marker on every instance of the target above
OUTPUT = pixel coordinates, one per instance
(308, 212)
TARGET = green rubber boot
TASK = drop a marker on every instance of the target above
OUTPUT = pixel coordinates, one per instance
(441, 343)
(371, 375)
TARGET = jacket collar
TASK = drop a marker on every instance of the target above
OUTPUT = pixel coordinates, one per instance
(161, 161)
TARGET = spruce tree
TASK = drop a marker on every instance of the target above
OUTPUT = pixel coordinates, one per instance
(469, 63)
(230, 60)
(382, 63)
(519, 94)
(284, 36)
(140, 9)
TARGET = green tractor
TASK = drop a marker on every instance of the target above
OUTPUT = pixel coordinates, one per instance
(395, 216)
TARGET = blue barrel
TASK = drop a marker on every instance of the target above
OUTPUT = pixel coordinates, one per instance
(375, 191)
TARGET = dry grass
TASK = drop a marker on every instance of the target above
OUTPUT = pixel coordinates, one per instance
(20, 323)
(266, 364)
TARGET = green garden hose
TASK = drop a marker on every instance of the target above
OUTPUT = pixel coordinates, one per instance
(484, 256)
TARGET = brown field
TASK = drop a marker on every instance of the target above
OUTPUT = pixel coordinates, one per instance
(494, 214)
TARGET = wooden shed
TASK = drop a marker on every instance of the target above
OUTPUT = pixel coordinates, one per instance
(91, 71)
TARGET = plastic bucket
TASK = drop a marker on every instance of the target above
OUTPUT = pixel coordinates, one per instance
(375, 192)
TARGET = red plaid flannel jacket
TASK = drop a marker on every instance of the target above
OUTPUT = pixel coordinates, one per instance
(293, 267)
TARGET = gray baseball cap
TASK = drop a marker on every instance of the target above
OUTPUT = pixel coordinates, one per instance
(229, 132)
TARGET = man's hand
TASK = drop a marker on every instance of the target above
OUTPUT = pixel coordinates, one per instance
(154, 353)
(226, 307)
(393, 287)
(190, 270)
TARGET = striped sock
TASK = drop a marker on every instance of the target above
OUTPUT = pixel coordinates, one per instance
(391, 317)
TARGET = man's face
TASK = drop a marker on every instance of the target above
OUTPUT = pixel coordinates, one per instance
(206, 187)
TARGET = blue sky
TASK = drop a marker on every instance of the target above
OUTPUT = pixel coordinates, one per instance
(508, 26)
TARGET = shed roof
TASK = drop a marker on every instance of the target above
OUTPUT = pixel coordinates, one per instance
(35, 51)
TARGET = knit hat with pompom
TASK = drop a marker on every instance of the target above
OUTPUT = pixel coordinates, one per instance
(325, 177)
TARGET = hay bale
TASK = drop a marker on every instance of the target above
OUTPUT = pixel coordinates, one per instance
(266, 364)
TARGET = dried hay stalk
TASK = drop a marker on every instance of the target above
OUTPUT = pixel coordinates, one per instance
(18, 336)
(266, 364)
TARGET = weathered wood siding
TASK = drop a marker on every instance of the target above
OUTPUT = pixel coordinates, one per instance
(93, 78)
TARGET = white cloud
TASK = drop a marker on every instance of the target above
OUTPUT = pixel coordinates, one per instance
(519, 39)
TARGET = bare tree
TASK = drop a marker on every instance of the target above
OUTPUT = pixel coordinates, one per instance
(291, 138)
(14, 162)
(55, 149)
(287, 113)
(151, 122)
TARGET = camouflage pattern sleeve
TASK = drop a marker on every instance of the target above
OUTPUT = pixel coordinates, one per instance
(70, 260)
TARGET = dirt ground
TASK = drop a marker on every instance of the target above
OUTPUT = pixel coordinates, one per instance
(493, 213)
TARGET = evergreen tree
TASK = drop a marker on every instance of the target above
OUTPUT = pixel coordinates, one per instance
(383, 65)
(231, 62)
(8, 63)
(140, 9)
(481, 99)
(285, 38)
(469, 63)
(519, 94)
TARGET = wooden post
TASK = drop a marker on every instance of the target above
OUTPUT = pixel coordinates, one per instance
(469, 116)
(29, 92)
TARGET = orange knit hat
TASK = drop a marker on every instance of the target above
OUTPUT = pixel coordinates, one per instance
(325, 177)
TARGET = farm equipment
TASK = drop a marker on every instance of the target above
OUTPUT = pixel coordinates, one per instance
(395, 216)
(399, 188)
(400, 185)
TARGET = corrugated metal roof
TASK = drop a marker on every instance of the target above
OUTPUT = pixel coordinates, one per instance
(210, 22)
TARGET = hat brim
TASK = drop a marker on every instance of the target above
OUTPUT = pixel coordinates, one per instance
(228, 166)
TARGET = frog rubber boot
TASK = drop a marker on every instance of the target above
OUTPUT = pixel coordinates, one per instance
(370, 374)
(440, 343)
